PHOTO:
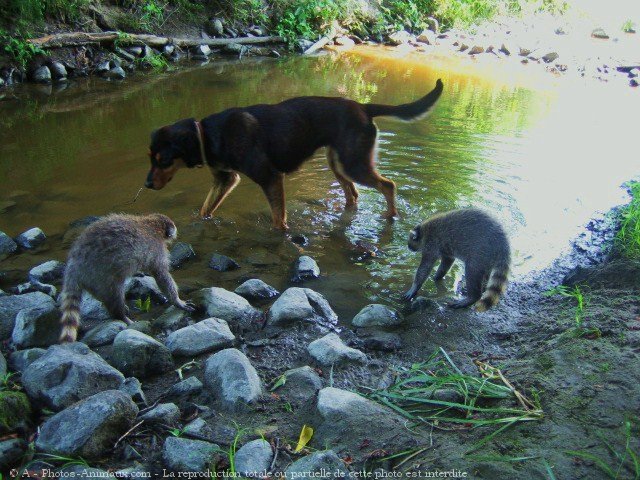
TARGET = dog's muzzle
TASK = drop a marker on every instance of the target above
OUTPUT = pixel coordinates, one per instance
(149, 182)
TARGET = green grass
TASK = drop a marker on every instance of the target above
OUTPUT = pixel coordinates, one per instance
(157, 62)
(581, 301)
(143, 305)
(628, 237)
(481, 403)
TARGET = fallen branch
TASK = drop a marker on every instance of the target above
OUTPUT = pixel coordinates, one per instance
(77, 39)
(317, 46)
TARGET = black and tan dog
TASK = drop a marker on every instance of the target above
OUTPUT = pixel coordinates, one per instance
(265, 142)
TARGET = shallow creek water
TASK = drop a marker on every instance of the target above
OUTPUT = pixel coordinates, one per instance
(542, 159)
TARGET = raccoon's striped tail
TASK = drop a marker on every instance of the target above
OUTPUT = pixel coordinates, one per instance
(495, 287)
(70, 306)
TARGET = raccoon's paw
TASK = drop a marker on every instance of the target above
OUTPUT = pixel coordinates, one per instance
(410, 295)
(188, 306)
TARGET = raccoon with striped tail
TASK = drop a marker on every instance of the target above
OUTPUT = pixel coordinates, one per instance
(108, 252)
(472, 236)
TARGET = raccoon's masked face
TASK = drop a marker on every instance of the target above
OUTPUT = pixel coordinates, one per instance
(414, 239)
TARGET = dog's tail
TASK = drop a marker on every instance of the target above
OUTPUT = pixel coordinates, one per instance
(495, 287)
(70, 306)
(408, 111)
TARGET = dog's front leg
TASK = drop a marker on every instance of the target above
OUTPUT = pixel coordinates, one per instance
(223, 185)
(274, 190)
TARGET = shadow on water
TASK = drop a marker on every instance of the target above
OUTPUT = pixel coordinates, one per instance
(528, 156)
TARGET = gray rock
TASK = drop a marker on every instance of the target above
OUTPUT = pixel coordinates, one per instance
(11, 452)
(207, 335)
(11, 305)
(31, 239)
(36, 327)
(300, 384)
(88, 428)
(135, 50)
(300, 305)
(92, 309)
(222, 263)
(400, 37)
(41, 75)
(228, 306)
(185, 455)
(305, 268)
(427, 36)
(7, 246)
(505, 49)
(476, 49)
(166, 413)
(463, 47)
(180, 253)
(377, 315)
(185, 388)
(524, 52)
(330, 350)
(103, 334)
(3, 365)
(231, 380)
(58, 70)
(345, 419)
(132, 387)
(599, 33)
(316, 465)
(304, 44)
(35, 286)
(138, 355)
(142, 287)
(256, 290)
(344, 41)
(21, 359)
(116, 73)
(172, 319)
(214, 27)
(47, 272)
(253, 459)
(382, 341)
(198, 427)
(201, 50)
(66, 374)
(550, 57)
(234, 48)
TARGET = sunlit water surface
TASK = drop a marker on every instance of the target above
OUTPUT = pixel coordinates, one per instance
(542, 160)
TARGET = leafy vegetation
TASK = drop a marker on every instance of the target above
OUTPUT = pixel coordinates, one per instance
(582, 300)
(18, 49)
(628, 237)
(143, 305)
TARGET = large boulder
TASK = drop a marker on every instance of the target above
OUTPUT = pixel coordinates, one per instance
(255, 290)
(207, 335)
(317, 465)
(231, 380)
(330, 350)
(36, 327)
(253, 459)
(222, 263)
(345, 419)
(47, 272)
(300, 305)
(186, 455)
(377, 315)
(10, 305)
(228, 306)
(66, 374)
(88, 428)
(138, 355)
(7, 246)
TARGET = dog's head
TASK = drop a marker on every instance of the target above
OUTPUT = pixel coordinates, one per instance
(173, 147)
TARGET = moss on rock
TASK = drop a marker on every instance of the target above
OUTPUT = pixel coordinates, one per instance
(15, 411)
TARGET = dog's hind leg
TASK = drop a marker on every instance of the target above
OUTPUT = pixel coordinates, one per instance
(348, 187)
(274, 190)
(223, 184)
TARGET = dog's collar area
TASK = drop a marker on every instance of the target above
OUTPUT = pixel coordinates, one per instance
(203, 157)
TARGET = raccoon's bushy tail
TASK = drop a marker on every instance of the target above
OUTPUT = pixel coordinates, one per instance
(70, 306)
(408, 111)
(495, 287)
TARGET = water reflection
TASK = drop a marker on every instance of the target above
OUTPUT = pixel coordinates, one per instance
(537, 159)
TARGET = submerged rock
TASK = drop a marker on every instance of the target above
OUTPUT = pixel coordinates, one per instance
(316, 465)
(88, 428)
(330, 350)
(66, 374)
(305, 268)
(207, 335)
(139, 355)
(222, 263)
(32, 238)
(11, 305)
(47, 272)
(180, 253)
(186, 455)
(228, 306)
(231, 380)
(256, 290)
(300, 305)
(377, 315)
(253, 459)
